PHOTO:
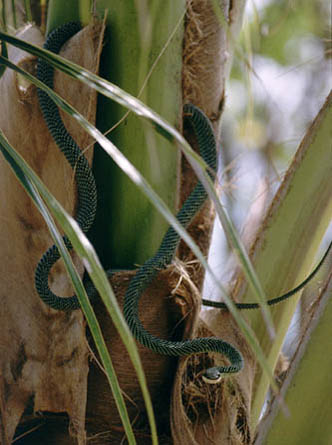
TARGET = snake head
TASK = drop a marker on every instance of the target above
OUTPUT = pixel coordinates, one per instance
(212, 376)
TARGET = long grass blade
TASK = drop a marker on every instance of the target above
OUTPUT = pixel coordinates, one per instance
(31, 187)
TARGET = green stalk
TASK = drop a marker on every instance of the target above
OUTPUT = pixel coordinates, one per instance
(14, 14)
(27, 6)
(85, 11)
(128, 229)
(307, 386)
(63, 11)
(3, 15)
(291, 234)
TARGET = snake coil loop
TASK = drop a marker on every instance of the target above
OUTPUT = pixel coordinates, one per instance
(86, 186)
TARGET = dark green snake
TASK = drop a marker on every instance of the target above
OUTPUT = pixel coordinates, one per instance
(87, 202)
(86, 186)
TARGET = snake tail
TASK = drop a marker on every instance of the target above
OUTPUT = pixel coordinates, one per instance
(148, 271)
(85, 183)
(273, 301)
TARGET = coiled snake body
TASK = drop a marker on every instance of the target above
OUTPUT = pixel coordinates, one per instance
(87, 202)
(86, 187)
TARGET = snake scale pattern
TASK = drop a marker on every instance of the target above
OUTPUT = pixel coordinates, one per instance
(85, 182)
(86, 210)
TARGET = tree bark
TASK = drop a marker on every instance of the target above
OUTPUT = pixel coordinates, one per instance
(43, 353)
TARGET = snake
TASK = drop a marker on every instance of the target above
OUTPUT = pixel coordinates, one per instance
(85, 215)
(84, 179)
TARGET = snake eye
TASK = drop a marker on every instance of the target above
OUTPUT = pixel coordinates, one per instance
(212, 376)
